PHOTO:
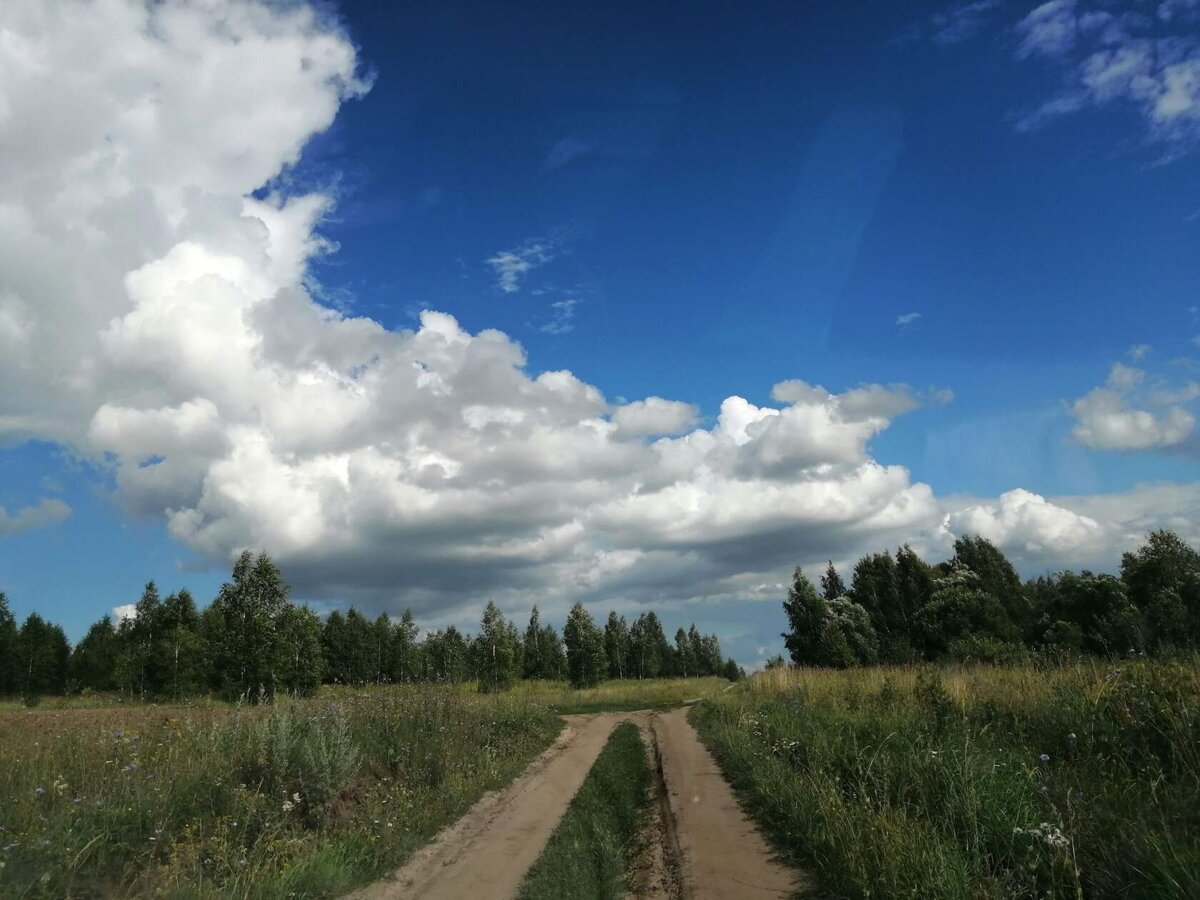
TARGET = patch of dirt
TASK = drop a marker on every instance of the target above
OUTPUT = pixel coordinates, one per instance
(654, 870)
(721, 853)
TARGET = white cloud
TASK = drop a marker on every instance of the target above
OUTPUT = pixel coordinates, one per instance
(124, 611)
(156, 320)
(1147, 63)
(511, 266)
(48, 512)
(654, 416)
(1049, 30)
(562, 317)
(1029, 526)
(907, 319)
(1138, 352)
(1107, 419)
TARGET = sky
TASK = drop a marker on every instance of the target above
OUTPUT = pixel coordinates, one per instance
(641, 305)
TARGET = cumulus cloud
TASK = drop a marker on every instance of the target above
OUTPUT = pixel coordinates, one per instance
(1138, 352)
(1029, 526)
(1150, 63)
(48, 512)
(124, 611)
(511, 266)
(907, 319)
(1107, 419)
(654, 416)
(154, 318)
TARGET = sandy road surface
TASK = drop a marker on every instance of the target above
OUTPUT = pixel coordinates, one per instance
(721, 854)
(710, 846)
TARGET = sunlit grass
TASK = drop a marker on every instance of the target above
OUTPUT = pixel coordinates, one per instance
(973, 782)
(302, 799)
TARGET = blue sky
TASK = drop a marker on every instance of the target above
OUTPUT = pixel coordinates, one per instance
(993, 200)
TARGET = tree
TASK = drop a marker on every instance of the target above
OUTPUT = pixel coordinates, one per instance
(404, 665)
(831, 584)
(8, 648)
(685, 658)
(335, 649)
(532, 662)
(997, 579)
(94, 659)
(444, 654)
(806, 612)
(177, 647)
(243, 630)
(618, 646)
(585, 648)
(360, 653)
(42, 657)
(300, 661)
(733, 672)
(1087, 612)
(1162, 579)
(960, 609)
(648, 642)
(498, 652)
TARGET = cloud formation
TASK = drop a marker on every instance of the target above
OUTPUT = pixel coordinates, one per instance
(154, 317)
(48, 512)
(1109, 417)
(511, 266)
(1148, 62)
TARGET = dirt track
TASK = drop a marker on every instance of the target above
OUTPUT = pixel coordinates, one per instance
(711, 847)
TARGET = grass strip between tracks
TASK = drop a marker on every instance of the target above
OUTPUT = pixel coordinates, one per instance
(588, 853)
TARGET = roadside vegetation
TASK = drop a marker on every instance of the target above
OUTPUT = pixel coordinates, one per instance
(966, 782)
(301, 798)
(589, 852)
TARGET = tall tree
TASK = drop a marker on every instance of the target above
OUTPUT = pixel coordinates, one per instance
(498, 654)
(585, 648)
(806, 612)
(299, 667)
(243, 630)
(685, 658)
(8, 648)
(404, 664)
(94, 659)
(178, 649)
(618, 648)
(831, 584)
(335, 648)
(532, 662)
(43, 655)
(1162, 579)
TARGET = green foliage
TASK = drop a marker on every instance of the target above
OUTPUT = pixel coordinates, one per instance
(42, 658)
(618, 646)
(94, 660)
(585, 649)
(497, 651)
(835, 632)
(589, 852)
(8, 649)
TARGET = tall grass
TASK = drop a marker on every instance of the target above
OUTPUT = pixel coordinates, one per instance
(588, 854)
(973, 782)
(303, 799)
(620, 695)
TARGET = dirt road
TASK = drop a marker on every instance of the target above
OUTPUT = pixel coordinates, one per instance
(712, 849)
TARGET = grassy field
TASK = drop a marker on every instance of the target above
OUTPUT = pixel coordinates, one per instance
(589, 851)
(619, 695)
(979, 782)
(301, 799)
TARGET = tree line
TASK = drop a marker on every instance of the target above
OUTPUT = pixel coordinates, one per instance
(974, 606)
(251, 642)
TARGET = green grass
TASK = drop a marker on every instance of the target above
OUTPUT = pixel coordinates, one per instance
(620, 695)
(588, 853)
(980, 782)
(303, 799)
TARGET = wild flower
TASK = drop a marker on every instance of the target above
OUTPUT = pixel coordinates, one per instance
(1045, 757)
